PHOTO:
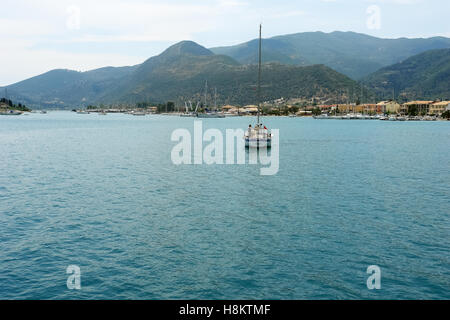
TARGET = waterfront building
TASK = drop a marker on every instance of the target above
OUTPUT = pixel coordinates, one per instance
(370, 108)
(325, 108)
(304, 113)
(227, 108)
(439, 108)
(422, 107)
(250, 109)
(389, 107)
(346, 108)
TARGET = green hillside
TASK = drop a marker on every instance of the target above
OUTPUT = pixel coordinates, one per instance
(66, 88)
(180, 75)
(353, 54)
(424, 76)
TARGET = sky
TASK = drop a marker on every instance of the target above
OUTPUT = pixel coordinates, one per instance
(41, 35)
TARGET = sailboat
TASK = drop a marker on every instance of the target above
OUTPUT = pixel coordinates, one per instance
(189, 112)
(11, 113)
(209, 114)
(258, 136)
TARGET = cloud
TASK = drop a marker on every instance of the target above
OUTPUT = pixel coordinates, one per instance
(141, 28)
(231, 3)
(406, 2)
(19, 62)
(286, 14)
(40, 34)
(142, 20)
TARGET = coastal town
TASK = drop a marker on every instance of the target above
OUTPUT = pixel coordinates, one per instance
(388, 108)
(384, 110)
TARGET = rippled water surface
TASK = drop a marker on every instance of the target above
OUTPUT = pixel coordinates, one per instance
(101, 192)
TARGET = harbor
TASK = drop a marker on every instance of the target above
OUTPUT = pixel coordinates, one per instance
(385, 110)
(377, 117)
(236, 159)
(103, 191)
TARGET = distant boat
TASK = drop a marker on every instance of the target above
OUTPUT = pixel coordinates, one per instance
(258, 137)
(210, 114)
(322, 116)
(11, 113)
(189, 113)
(227, 115)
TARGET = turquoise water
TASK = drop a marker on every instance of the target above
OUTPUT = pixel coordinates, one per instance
(102, 193)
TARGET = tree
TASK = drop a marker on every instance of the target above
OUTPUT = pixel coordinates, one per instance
(170, 106)
(337, 111)
(294, 109)
(316, 112)
(446, 115)
(413, 111)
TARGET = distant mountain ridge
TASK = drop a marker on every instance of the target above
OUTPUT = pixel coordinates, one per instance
(179, 74)
(424, 76)
(67, 87)
(296, 66)
(353, 54)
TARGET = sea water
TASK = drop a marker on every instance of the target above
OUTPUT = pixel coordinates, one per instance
(101, 193)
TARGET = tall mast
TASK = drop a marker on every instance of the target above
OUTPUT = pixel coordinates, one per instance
(259, 72)
(206, 92)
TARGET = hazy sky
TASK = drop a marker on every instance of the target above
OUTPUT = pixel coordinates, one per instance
(40, 35)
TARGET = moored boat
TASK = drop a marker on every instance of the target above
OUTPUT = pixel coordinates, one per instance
(11, 113)
(211, 115)
(258, 137)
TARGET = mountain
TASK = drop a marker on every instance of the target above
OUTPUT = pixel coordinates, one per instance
(179, 74)
(65, 88)
(185, 48)
(424, 76)
(353, 54)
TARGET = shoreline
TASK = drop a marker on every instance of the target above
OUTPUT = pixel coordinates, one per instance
(176, 114)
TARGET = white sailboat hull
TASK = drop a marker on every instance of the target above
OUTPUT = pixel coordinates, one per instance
(258, 143)
(210, 115)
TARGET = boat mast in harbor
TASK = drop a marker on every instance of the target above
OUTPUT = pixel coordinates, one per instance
(206, 94)
(207, 113)
(259, 74)
(259, 136)
(215, 99)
